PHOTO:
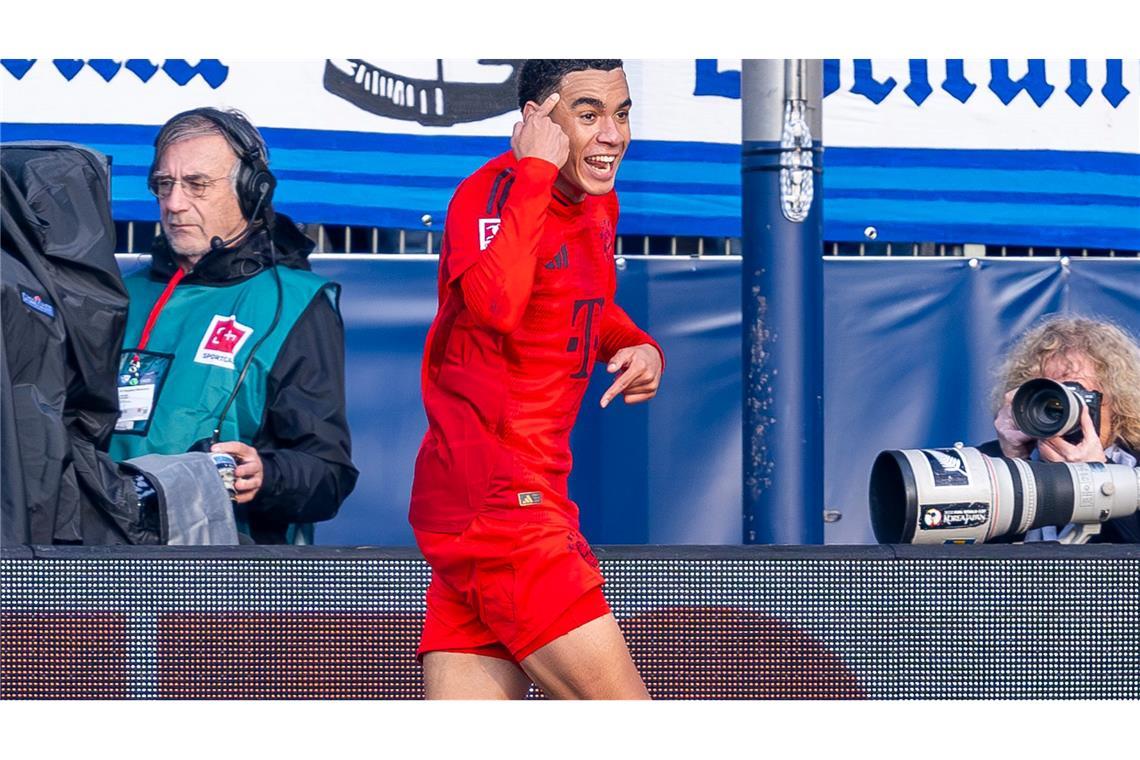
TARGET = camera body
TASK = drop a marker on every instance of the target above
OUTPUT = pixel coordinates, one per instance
(1045, 408)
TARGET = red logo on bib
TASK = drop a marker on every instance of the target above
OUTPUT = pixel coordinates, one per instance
(223, 339)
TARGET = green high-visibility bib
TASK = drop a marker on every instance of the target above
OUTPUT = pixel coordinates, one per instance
(210, 332)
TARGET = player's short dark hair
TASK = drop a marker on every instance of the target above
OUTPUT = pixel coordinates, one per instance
(540, 77)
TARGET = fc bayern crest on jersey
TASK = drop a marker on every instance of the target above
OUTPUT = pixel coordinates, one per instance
(222, 341)
(488, 228)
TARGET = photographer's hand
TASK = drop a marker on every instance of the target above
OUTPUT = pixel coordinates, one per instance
(1088, 450)
(1014, 443)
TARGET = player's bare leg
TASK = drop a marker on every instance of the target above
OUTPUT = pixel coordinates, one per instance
(590, 662)
(454, 675)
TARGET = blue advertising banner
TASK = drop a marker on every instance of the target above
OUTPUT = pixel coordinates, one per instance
(910, 350)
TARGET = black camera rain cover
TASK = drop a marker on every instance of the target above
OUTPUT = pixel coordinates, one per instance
(64, 309)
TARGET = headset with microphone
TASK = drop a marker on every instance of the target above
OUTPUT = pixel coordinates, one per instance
(255, 184)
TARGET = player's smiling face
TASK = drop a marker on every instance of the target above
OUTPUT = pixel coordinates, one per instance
(593, 111)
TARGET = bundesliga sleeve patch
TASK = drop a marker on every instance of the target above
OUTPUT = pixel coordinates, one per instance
(222, 341)
(488, 228)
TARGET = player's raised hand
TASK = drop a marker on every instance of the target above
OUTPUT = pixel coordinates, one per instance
(537, 136)
(639, 374)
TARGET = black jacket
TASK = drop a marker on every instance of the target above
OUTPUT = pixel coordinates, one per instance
(64, 313)
(1123, 530)
(308, 465)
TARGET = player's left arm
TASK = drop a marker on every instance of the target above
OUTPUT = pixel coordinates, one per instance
(631, 354)
(628, 351)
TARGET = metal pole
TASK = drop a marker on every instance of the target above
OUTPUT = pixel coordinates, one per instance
(782, 301)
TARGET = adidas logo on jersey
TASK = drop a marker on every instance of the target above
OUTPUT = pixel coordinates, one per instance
(561, 260)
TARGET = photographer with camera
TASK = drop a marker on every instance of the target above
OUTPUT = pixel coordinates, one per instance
(1099, 365)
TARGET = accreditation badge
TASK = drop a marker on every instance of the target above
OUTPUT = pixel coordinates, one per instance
(141, 377)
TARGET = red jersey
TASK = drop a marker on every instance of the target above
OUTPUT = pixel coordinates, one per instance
(526, 289)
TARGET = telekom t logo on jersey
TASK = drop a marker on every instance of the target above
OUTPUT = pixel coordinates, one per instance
(588, 328)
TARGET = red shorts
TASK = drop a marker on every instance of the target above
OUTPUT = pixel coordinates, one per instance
(510, 583)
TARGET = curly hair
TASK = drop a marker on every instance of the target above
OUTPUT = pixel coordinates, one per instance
(540, 77)
(1114, 354)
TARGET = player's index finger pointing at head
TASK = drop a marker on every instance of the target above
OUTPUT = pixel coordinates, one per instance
(548, 104)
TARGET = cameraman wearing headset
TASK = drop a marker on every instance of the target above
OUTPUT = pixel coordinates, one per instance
(250, 340)
(1102, 358)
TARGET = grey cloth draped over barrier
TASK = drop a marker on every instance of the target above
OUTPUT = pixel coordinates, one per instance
(193, 503)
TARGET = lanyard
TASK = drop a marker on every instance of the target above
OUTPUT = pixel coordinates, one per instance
(158, 305)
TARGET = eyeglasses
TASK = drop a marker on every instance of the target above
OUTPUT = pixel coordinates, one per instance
(195, 187)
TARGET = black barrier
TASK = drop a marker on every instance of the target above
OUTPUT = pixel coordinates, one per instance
(889, 622)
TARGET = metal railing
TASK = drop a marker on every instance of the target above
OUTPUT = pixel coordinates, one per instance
(138, 236)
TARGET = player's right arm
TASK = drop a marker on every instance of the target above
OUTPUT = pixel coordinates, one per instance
(496, 282)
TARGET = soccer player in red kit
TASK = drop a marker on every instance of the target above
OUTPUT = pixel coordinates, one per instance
(526, 307)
